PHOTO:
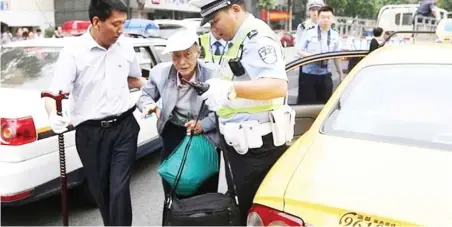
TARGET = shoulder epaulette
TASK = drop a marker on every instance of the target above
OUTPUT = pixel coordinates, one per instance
(252, 33)
(301, 25)
(313, 26)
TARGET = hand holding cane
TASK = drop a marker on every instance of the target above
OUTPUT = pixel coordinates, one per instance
(63, 180)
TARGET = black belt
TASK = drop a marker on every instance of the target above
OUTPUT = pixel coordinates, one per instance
(309, 74)
(111, 120)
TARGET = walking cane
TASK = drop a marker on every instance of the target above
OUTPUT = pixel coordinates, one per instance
(63, 181)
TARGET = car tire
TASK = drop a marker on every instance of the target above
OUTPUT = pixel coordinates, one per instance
(86, 197)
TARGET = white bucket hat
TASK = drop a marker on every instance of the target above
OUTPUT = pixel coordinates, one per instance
(181, 40)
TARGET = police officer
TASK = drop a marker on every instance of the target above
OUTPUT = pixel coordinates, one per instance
(213, 47)
(315, 82)
(97, 69)
(313, 7)
(245, 104)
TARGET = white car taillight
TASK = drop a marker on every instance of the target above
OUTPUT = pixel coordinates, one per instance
(265, 216)
(17, 131)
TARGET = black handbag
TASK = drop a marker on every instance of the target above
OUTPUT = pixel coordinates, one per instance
(210, 209)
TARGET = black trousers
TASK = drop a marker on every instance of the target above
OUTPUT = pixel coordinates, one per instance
(314, 89)
(250, 169)
(172, 136)
(107, 154)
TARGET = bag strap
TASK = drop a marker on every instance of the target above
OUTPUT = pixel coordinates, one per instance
(184, 159)
(231, 186)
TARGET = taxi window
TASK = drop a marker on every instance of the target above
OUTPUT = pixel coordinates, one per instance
(28, 68)
(407, 104)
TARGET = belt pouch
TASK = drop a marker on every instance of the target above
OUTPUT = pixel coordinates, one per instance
(234, 136)
(252, 134)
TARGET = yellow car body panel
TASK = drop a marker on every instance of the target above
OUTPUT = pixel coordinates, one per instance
(334, 181)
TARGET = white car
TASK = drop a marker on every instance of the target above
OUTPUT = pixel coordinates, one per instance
(29, 162)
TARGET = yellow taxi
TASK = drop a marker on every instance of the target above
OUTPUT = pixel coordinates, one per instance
(379, 152)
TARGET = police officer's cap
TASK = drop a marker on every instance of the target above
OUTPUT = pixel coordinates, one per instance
(210, 7)
(316, 4)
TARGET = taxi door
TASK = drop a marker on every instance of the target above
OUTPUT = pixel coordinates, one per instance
(306, 113)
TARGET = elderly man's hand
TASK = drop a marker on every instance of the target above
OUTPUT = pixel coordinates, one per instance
(217, 95)
(197, 128)
(149, 109)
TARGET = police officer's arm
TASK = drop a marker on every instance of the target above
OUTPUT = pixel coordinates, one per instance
(263, 61)
(303, 46)
(64, 74)
(298, 37)
(135, 79)
(150, 92)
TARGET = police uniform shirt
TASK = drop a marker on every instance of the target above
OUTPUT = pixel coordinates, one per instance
(301, 28)
(96, 77)
(312, 43)
(262, 58)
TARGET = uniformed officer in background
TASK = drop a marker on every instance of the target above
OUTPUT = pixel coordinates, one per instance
(244, 106)
(97, 69)
(213, 47)
(315, 83)
(313, 7)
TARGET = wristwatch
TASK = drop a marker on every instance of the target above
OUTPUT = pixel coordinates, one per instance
(231, 93)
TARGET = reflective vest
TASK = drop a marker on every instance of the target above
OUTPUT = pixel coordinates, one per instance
(204, 40)
(240, 105)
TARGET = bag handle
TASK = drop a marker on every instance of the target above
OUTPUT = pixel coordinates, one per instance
(231, 186)
(184, 159)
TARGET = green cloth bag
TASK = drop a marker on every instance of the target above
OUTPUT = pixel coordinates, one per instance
(201, 164)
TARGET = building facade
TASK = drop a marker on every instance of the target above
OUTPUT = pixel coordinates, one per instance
(153, 9)
(27, 13)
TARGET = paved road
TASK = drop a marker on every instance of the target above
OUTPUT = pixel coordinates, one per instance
(147, 194)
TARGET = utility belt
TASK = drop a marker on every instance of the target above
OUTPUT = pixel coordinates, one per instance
(110, 121)
(248, 135)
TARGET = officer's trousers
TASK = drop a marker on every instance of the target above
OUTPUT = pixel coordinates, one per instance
(250, 169)
(314, 89)
(107, 153)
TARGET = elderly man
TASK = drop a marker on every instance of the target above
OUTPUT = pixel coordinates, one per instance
(180, 103)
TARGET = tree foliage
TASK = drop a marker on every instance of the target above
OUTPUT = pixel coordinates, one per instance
(446, 4)
(266, 4)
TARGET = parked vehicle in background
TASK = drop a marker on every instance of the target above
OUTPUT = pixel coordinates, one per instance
(287, 39)
(75, 27)
(400, 18)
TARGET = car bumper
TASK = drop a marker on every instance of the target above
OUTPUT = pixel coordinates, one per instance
(38, 177)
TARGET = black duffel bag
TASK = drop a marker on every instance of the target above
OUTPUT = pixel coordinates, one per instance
(210, 209)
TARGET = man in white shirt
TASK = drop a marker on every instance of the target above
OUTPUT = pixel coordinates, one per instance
(97, 70)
